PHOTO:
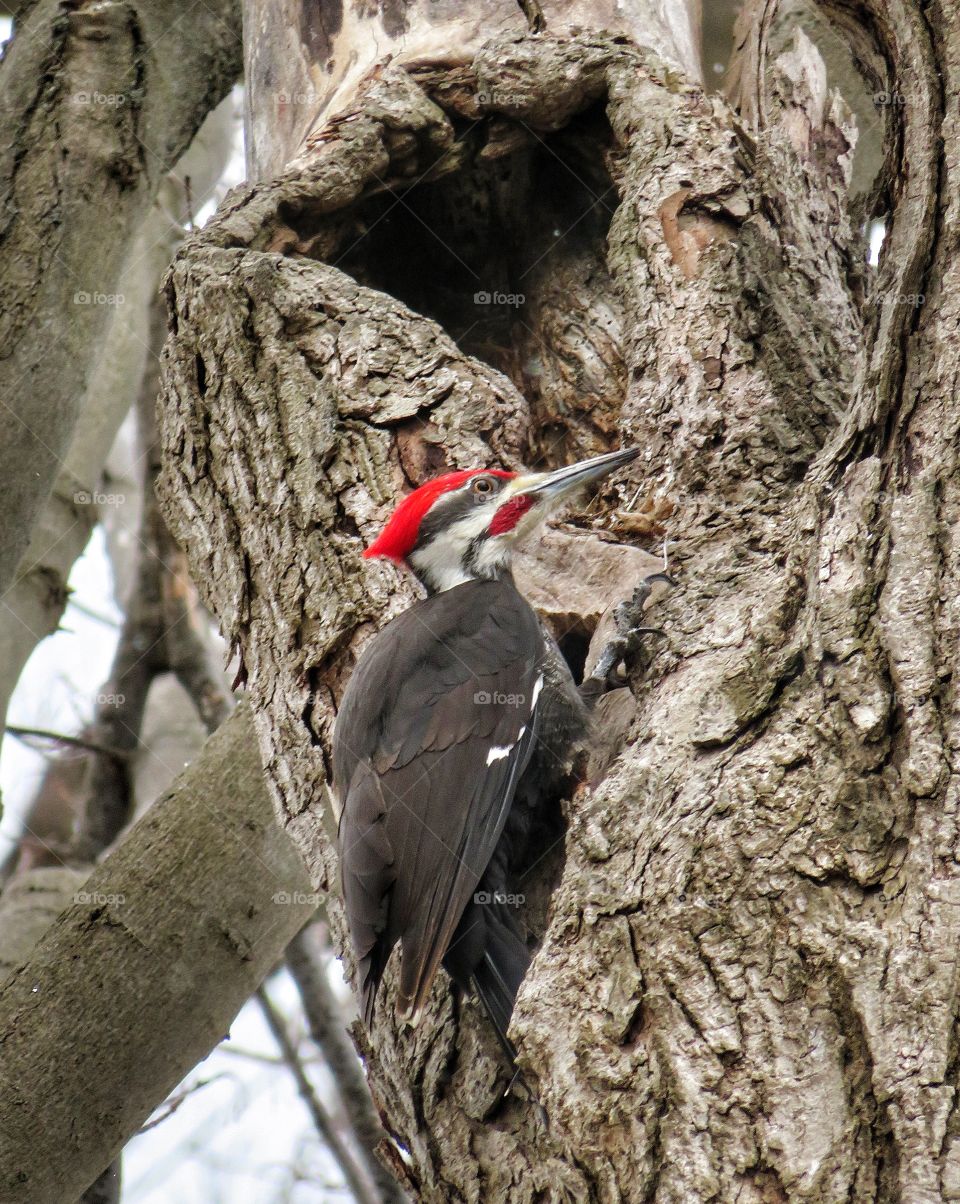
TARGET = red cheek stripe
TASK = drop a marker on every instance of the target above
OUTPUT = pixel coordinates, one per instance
(509, 514)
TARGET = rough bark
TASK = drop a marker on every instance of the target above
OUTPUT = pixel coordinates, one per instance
(143, 974)
(99, 101)
(746, 987)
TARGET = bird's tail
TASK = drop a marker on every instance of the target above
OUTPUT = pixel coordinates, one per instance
(497, 976)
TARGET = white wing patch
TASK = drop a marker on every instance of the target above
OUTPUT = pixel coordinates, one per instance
(499, 751)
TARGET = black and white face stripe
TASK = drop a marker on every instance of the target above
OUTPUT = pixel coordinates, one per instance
(453, 545)
(451, 508)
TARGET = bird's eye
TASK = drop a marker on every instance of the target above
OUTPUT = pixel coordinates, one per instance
(483, 486)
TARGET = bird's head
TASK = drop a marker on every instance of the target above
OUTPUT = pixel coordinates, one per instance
(465, 525)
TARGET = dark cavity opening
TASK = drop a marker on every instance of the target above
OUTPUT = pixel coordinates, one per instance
(508, 254)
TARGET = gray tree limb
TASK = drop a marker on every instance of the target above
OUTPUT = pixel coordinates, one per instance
(141, 977)
(363, 1192)
(101, 99)
(33, 606)
(328, 1030)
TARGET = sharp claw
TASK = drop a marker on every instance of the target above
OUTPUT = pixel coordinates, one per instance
(628, 616)
(662, 577)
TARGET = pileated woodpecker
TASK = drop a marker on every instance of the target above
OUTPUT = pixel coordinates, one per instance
(459, 720)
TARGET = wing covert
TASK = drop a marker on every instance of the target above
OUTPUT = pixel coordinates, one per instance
(449, 721)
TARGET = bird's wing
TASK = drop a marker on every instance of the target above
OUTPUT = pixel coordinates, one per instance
(426, 799)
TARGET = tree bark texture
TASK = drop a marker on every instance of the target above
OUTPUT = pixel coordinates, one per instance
(747, 983)
(304, 61)
(98, 101)
(142, 975)
(34, 605)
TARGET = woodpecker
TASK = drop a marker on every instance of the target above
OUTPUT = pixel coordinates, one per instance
(459, 721)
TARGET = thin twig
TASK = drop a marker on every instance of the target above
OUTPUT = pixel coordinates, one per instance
(82, 608)
(173, 1102)
(39, 733)
(363, 1193)
(250, 1055)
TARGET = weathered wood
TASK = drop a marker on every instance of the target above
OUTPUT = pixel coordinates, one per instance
(306, 60)
(746, 988)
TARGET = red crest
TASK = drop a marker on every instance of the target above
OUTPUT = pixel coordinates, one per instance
(399, 536)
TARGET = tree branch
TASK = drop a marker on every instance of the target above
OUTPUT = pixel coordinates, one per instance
(326, 1127)
(325, 1016)
(158, 636)
(101, 100)
(182, 922)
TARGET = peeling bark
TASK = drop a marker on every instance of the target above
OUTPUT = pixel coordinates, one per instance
(746, 986)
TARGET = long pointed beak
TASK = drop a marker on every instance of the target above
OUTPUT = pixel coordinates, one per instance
(552, 486)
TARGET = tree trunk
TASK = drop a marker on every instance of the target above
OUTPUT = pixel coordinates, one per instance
(746, 984)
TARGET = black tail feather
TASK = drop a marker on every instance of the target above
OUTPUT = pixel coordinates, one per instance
(497, 976)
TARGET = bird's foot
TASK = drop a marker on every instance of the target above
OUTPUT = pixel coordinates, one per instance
(631, 629)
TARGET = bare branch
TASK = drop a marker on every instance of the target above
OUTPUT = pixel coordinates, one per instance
(158, 636)
(181, 921)
(173, 1102)
(361, 1190)
(39, 733)
(305, 962)
(101, 100)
